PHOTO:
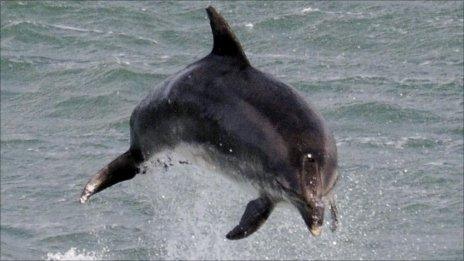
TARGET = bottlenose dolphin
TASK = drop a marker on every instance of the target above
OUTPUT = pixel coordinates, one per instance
(247, 121)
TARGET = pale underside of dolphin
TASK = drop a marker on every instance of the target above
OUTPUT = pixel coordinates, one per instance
(246, 121)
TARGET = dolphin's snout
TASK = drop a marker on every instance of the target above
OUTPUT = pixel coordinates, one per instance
(315, 230)
(122, 168)
(85, 196)
(313, 217)
(88, 191)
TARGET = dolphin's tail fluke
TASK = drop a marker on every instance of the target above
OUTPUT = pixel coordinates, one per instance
(124, 167)
(225, 41)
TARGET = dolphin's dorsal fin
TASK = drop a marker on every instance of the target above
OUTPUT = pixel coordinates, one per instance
(225, 41)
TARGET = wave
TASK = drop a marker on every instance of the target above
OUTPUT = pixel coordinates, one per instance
(399, 143)
(33, 32)
(425, 86)
(114, 75)
(17, 231)
(28, 31)
(12, 65)
(24, 24)
(120, 124)
(379, 112)
(20, 139)
(86, 107)
(126, 74)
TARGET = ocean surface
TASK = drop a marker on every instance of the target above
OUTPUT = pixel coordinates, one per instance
(387, 76)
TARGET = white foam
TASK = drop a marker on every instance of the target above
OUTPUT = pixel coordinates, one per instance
(309, 9)
(74, 254)
(72, 28)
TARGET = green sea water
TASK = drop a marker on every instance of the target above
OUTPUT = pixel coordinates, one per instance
(387, 76)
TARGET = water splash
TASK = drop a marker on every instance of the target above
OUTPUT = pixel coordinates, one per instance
(74, 254)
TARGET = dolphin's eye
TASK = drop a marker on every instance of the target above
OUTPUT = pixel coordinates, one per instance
(309, 157)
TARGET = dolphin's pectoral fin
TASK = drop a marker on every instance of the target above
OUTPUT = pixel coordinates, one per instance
(256, 213)
(124, 167)
(333, 214)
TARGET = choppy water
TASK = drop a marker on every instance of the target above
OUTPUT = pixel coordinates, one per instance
(388, 77)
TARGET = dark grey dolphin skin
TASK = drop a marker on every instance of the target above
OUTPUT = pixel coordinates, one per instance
(245, 119)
